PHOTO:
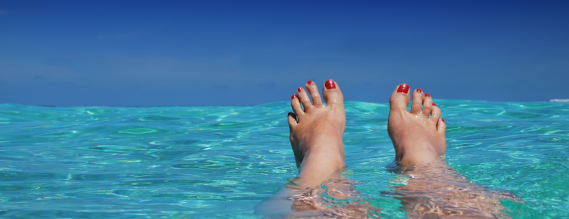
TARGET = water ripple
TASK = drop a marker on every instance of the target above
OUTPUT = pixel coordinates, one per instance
(193, 161)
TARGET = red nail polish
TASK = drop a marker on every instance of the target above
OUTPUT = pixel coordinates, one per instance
(310, 82)
(427, 95)
(293, 96)
(443, 119)
(403, 88)
(330, 84)
(434, 104)
(300, 89)
(419, 90)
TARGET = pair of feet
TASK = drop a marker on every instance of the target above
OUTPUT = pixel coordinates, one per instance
(316, 130)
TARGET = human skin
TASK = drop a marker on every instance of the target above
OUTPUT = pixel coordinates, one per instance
(433, 188)
(418, 136)
(316, 132)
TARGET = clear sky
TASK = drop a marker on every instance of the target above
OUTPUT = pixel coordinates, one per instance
(155, 53)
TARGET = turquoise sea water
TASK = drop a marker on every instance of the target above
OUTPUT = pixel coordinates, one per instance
(218, 162)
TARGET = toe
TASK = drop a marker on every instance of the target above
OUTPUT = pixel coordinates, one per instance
(427, 105)
(303, 97)
(332, 93)
(400, 98)
(441, 126)
(291, 121)
(295, 104)
(314, 94)
(435, 113)
(417, 101)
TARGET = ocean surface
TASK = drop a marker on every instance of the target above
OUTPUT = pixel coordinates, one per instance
(219, 162)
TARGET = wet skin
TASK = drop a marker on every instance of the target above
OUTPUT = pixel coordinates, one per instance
(418, 136)
(433, 187)
(316, 132)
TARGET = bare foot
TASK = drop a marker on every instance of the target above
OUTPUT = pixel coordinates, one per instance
(433, 189)
(316, 132)
(418, 136)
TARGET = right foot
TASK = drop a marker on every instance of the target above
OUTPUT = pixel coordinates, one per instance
(418, 136)
(316, 132)
(433, 189)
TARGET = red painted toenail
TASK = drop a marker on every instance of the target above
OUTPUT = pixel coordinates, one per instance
(330, 84)
(419, 90)
(403, 88)
(300, 89)
(309, 82)
(443, 119)
(293, 96)
(427, 95)
(434, 104)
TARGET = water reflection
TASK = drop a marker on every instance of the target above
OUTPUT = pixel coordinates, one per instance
(437, 190)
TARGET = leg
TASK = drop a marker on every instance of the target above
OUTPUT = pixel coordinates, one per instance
(434, 188)
(316, 132)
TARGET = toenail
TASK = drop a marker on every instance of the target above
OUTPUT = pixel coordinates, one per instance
(330, 84)
(434, 104)
(427, 95)
(293, 96)
(309, 82)
(419, 90)
(443, 119)
(300, 89)
(403, 88)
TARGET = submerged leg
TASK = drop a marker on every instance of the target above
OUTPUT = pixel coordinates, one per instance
(433, 187)
(316, 132)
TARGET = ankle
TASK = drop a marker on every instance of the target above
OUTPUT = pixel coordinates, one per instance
(318, 168)
(323, 157)
(325, 150)
(417, 154)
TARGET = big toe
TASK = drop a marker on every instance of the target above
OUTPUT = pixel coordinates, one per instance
(400, 98)
(332, 93)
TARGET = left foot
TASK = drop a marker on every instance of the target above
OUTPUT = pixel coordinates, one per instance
(316, 137)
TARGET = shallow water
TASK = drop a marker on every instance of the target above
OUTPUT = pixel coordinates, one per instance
(218, 162)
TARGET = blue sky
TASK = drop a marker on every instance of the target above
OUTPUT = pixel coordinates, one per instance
(155, 53)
